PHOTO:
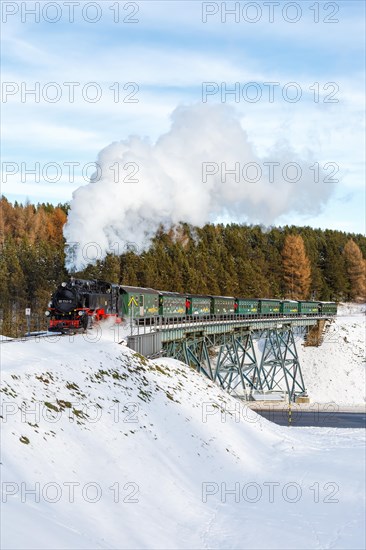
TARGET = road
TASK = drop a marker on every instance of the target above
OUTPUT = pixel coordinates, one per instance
(319, 419)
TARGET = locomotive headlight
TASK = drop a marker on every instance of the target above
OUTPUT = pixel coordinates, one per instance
(47, 313)
(64, 284)
(80, 313)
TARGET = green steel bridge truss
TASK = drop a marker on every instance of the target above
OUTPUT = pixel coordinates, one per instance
(244, 357)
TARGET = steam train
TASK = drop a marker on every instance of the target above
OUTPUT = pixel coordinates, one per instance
(78, 304)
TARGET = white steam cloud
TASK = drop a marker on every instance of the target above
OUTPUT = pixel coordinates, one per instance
(204, 168)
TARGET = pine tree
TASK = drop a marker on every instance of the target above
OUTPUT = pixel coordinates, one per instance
(355, 265)
(336, 285)
(296, 268)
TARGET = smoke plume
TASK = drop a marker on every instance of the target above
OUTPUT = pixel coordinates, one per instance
(204, 168)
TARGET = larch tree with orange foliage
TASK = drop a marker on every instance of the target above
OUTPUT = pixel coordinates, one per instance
(296, 268)
(356, 271)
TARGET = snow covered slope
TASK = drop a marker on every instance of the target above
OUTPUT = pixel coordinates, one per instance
(104, 449)
(336, 371)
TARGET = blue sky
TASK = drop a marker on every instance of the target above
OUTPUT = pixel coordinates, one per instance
(167, 53)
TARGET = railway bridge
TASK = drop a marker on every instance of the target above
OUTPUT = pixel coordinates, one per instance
(250, 358)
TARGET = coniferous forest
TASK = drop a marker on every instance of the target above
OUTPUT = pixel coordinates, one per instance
(237, 260)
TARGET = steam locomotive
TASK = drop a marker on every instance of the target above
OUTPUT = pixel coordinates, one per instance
(78, 304)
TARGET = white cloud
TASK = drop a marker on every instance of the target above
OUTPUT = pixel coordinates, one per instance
(169, 70)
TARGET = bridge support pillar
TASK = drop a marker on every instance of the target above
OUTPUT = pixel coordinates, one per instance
(196, 355)
(236, 367)
(280, 366)
(231, 361)
(315, 333)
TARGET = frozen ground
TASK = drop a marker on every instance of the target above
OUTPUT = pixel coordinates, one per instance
(104, 449)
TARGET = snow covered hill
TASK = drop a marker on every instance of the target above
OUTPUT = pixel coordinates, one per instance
(336, 371)
(102, 448)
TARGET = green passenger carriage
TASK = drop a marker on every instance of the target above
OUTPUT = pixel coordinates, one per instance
(246, 306)
(308, 308)
(270, 307)
(289, 307)
(328, 308)
(198, 305)
(172, 304)
(222, 305)
(139, 302)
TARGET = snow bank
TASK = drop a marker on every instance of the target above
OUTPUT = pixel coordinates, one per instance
(336, 371)
(121, 452)
(351, 308)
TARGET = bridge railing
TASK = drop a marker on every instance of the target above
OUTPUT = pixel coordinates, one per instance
(145, 325)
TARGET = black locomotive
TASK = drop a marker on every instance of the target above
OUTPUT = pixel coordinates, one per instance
(76, 304)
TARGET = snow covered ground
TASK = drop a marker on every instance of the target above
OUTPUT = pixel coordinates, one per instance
(104, 449)
(336, 371)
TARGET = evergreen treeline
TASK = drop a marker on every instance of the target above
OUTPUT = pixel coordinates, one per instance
(31, 262)
(239, 260)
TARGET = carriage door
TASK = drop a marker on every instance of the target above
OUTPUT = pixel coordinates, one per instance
(141, 305)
